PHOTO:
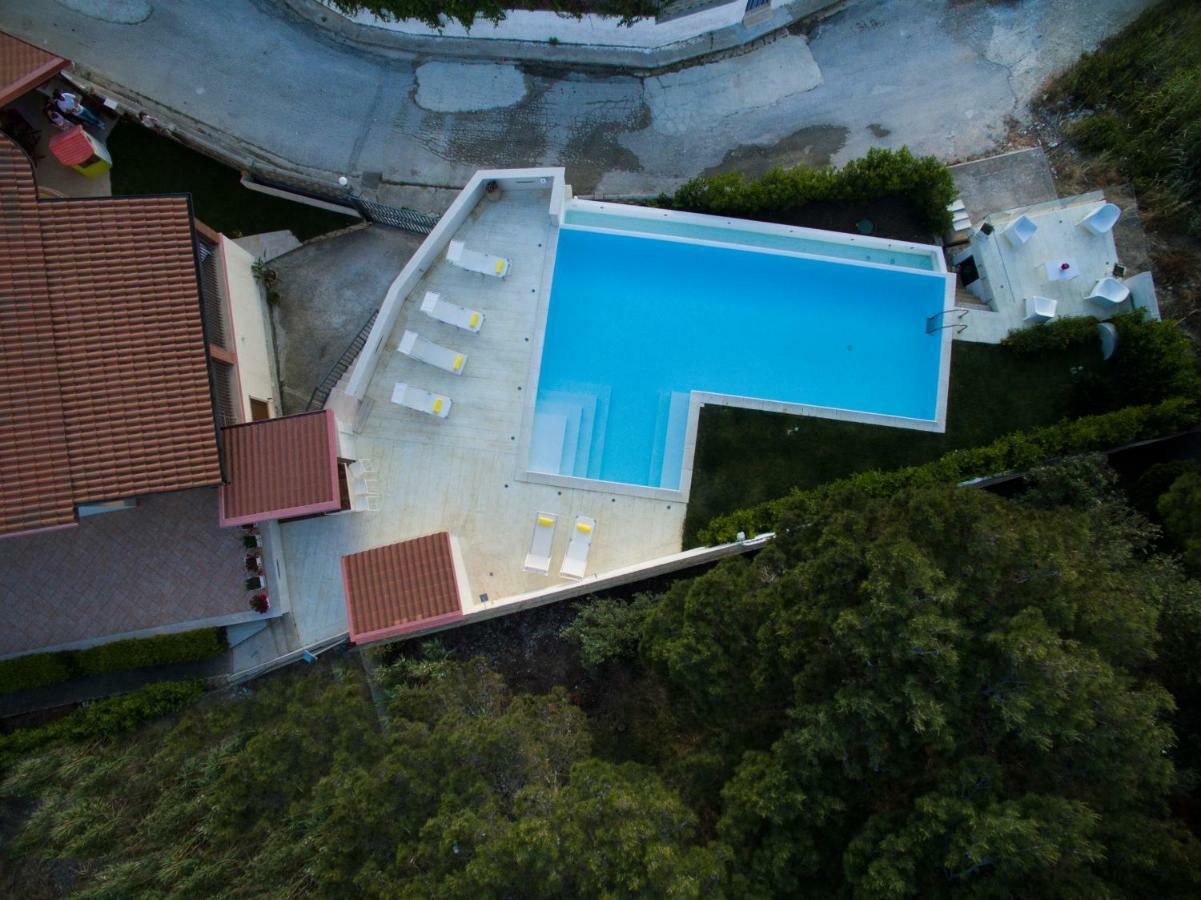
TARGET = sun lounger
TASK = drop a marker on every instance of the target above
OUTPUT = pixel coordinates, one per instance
(414, 345)
(575, 560)
(474, 261)
(451, 313)
(538, 559)
(421, 400)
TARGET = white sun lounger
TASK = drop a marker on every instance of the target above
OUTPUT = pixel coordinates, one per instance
(451, 313)
(474, 261)
(575, 560)
(421, 400)
(414, 345)
(538, 559)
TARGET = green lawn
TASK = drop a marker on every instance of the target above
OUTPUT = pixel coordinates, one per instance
(744, 457)
(146, 163)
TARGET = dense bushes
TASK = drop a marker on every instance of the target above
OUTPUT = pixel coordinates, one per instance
(1153, 360)
(437, 13)
(1016, 451)
(923, 181)
(104, 718)
(1143, 90)
(39, 670)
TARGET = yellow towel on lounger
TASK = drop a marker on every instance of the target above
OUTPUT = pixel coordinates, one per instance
(458, 363)
(438, 405)
(546, 520)
(500, 266)
(474, 320)
(584, 527)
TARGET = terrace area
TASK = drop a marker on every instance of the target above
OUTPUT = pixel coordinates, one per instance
(464, 474)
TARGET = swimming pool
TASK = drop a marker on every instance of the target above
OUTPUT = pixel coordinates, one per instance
(647, 321)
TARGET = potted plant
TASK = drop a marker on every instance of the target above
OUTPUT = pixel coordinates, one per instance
(491, 190)
(254, 565)
(260, 603)
(252, 541)
(255, 583)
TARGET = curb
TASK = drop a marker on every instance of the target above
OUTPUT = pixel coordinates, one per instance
(616, 59)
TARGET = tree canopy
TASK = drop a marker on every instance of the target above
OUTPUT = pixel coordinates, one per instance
(938, 693)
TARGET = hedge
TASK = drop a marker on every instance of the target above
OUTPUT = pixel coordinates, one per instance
(923, 181)
(104, 718)
(27, 672)
(1015, 451)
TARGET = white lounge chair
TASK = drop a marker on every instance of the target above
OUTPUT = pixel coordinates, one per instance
(1109, 292)
(575, 560)
(538, 559)
(451, 313)
(1102, 219)
(414, 345)
(474, 261)
(421, 400)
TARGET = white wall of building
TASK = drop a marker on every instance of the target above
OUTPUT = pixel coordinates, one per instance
(251, 323)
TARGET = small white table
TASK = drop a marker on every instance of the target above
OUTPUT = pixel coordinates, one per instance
(1056, 270)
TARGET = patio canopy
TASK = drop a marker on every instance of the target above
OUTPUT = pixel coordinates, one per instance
(399, 588)
(23, 67)
(280, 469)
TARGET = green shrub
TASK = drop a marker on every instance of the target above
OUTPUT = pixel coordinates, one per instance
(41, 669)
(1153, 360)
(609, 628)
(437, 13)
(104, 718)
(27, 672)
(137, 653)
(923, 181)
(1016, 451)
(1058, 334)
(1180, 510)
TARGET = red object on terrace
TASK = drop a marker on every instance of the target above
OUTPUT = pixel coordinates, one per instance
(72, 147)
(280, 469)
(23, 67)
(402, 588)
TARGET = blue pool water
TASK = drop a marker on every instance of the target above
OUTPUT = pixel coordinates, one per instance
(637, 322)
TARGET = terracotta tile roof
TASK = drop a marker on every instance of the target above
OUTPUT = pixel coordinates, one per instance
(280, 468)
(401, 588)
(102, 352)
(23, 67)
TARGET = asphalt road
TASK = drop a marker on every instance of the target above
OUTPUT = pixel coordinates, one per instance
(945, 77)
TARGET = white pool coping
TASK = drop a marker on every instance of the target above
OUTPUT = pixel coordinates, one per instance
(698, 399)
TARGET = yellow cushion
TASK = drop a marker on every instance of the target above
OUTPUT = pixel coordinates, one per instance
(584, 527)
(437, 404)
(545, 520)
(474, 320)
(500, 266)
(458, 363)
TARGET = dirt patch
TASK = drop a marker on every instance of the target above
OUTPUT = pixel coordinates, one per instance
(878, 130)
(593, 152)
(813, 146)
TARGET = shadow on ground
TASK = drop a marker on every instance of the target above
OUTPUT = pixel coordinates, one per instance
(328, 288)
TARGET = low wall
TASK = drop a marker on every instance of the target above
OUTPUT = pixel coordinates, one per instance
(590, 41)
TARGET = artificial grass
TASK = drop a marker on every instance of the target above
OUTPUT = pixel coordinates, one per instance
(147, 163)
(745, 457)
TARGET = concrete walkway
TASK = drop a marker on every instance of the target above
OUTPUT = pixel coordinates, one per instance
(942, 76)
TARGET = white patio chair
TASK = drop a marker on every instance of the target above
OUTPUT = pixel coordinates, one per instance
(474, 261)
(1019, 231)
(414, 345)
(421, 400)
(1109, 292)
(451, 313)
(1102, 219)
(538, 559)
(575, 560)
(1040, 309)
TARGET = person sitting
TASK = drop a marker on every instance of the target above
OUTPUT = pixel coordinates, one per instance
(56, 118)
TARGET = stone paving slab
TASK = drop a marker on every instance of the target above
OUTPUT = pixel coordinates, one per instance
(164, 565)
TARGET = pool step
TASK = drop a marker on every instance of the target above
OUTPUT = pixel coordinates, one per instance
(667, 451)
(568, 427)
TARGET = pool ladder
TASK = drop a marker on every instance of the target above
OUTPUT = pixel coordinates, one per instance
(931, 321)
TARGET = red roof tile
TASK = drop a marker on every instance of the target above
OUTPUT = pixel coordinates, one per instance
(280, 468)
(104, 384)
(23, 67)
(401, 588)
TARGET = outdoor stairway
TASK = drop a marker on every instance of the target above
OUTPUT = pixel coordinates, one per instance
(568, 437)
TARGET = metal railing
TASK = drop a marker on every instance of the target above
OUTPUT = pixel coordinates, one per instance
(381, 213)
(345, 361)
